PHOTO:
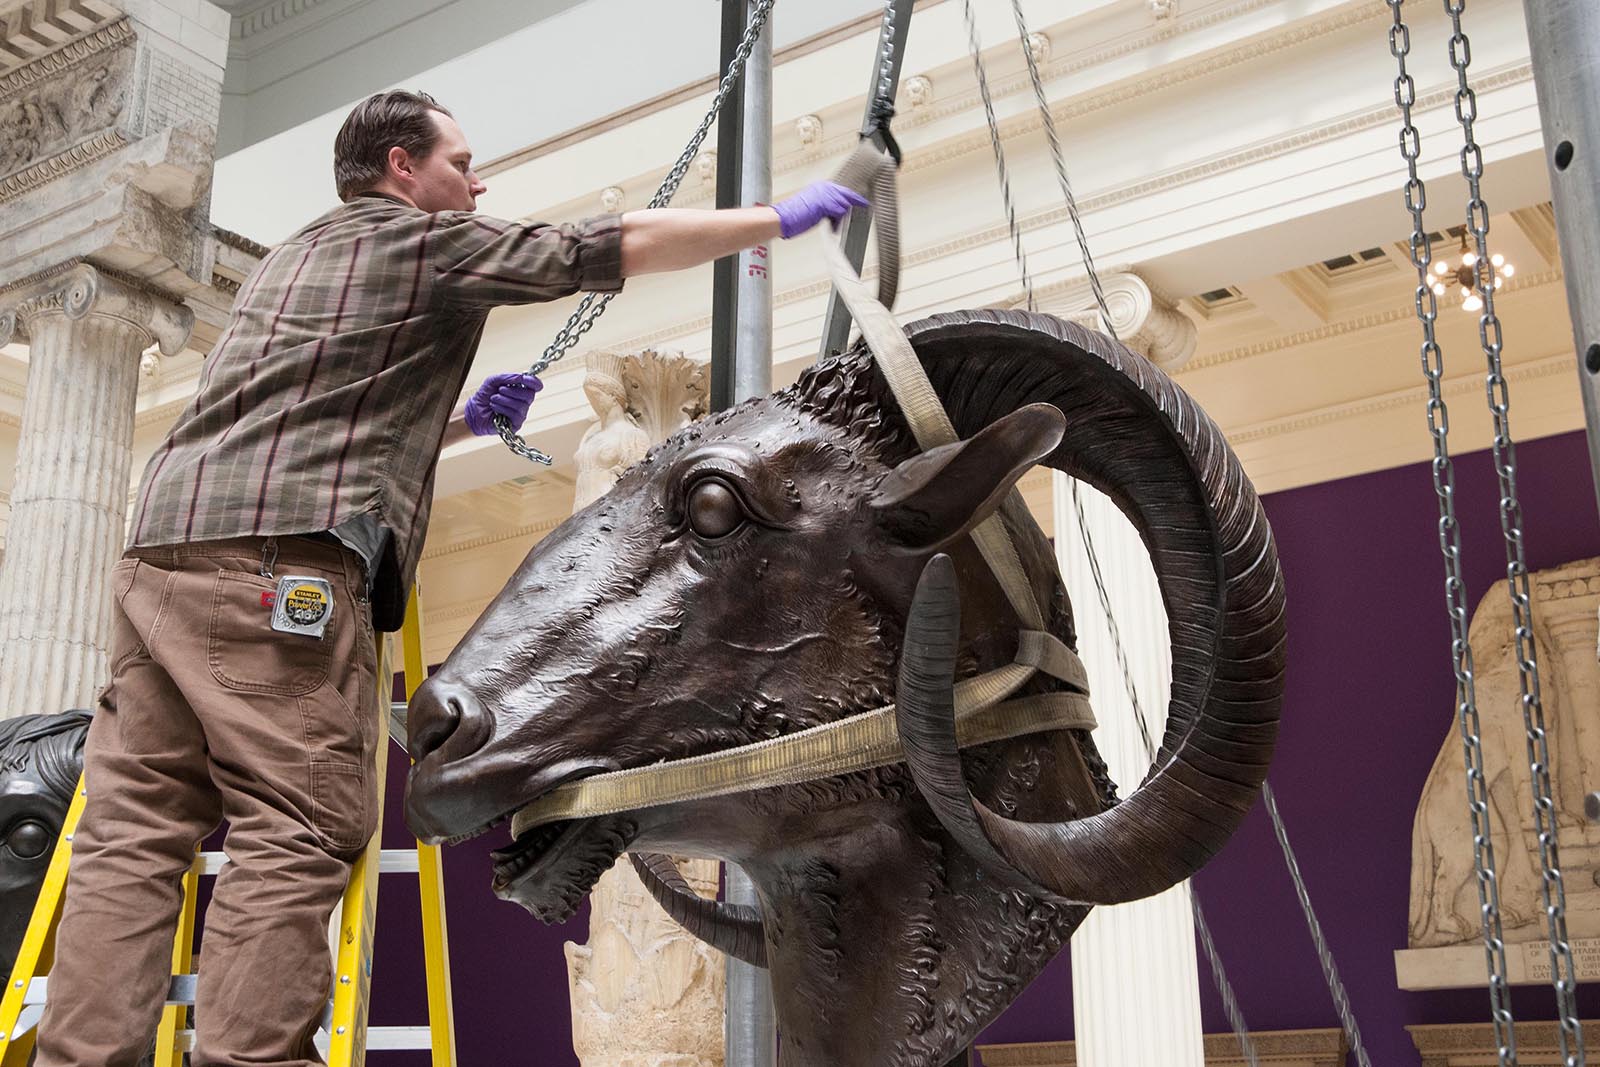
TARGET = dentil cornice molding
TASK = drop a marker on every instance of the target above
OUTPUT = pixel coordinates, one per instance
(78, 290)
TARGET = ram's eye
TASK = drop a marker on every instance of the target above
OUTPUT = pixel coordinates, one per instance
(29, 839)
(714, 509)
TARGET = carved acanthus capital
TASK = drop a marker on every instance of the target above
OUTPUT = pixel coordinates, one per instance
(640, 399)
(1142, 319)
(78, 291)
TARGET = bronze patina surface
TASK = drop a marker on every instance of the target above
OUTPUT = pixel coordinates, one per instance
(756, 575)
(41, 757)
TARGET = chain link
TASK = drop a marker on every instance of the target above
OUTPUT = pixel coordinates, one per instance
(886, 56)
(594, 305)
(1444, 486)
(1563, 969)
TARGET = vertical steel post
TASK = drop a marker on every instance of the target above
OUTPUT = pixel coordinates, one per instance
(1564, 43)
(750, 1025)
(885, 81)
(725, 276)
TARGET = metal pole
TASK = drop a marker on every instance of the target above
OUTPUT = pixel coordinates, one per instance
(752, 365)
(1564, 43)
(750, 1028)
(725, 276)
(891, 52)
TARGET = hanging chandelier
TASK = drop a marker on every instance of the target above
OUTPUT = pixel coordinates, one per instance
(1469, 274)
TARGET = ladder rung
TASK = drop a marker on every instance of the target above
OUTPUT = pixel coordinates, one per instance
(390, 861)
(381, 1038)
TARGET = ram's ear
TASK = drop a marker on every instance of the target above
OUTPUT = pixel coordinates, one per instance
(937, 496)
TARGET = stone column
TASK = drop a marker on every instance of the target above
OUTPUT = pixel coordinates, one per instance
(108, 114)
(85, 332)
(1143, 319)
(1135, 989)
(645, 993)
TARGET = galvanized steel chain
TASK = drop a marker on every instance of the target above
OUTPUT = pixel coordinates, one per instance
(886, 56)
(594, 305)
(999, 152)
(1444, 486)
(1563, 969)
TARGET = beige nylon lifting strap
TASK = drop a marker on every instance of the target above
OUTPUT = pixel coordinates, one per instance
(870, 739)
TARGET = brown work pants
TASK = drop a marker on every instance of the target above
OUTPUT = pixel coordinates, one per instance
(210, 715)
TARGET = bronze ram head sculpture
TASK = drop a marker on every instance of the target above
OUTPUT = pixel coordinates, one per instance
(41, 757)
(794, 561)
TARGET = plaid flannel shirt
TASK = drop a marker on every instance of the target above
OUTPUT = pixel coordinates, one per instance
(323, 406)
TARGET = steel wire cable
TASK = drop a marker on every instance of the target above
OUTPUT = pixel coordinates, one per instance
(1213, 957)
(1324, 952)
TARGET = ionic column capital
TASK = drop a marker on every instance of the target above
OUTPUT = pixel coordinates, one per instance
(78, 290)
(1143, 319)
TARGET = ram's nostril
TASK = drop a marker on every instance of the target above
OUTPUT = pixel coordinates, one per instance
(438, 711)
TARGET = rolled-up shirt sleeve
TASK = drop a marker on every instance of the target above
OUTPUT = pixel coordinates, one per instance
(483, 261)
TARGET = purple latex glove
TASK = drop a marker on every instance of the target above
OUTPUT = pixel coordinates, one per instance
(501, 394)
(817, 201)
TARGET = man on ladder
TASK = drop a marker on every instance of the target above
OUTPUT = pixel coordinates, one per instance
(277, 526)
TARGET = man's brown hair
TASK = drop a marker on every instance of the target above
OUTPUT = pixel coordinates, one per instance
(381, 122)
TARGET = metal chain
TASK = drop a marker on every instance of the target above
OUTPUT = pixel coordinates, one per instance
(886, 55)
(1563, 969)
(594, 305)
(999, 153)
(1455, 589)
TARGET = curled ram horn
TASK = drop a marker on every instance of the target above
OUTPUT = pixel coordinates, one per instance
(733, 928)
(1214, 558)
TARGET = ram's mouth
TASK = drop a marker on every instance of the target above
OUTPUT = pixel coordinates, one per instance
(549, 869)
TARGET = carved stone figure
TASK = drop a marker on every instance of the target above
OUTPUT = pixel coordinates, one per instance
(1444, 888)
(640, 399)
(41, 757)
(56, 114)
(794, 561)
(644, 992)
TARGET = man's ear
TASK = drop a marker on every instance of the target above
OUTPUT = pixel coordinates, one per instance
(400, 162)
(933, 498)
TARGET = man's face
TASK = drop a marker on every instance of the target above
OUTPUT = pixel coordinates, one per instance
(443, 180)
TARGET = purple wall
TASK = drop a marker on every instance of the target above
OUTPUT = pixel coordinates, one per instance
(1369, 702)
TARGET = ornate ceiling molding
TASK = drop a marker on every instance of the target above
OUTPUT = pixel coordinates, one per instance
(269, 15)
(1469, 384)
(510, 534)
(66, 57)
(1346, 327)
(35, 29)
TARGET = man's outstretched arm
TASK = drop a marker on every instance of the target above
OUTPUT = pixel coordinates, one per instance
(674, 238)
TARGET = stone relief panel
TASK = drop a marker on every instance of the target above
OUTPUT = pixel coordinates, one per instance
(1444, 893)
(73, 104)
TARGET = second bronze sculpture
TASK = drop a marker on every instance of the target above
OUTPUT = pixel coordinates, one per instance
(795, 561)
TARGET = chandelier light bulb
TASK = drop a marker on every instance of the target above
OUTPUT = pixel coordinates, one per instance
(1497, 259)
(1471, 303)
(1509, 270)
(1438, 288)
(1441, 267)
(1469, 258)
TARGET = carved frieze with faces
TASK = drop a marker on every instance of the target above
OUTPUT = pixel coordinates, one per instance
(73, 104)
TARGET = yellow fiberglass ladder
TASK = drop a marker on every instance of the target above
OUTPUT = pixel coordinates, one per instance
(345, 1030)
